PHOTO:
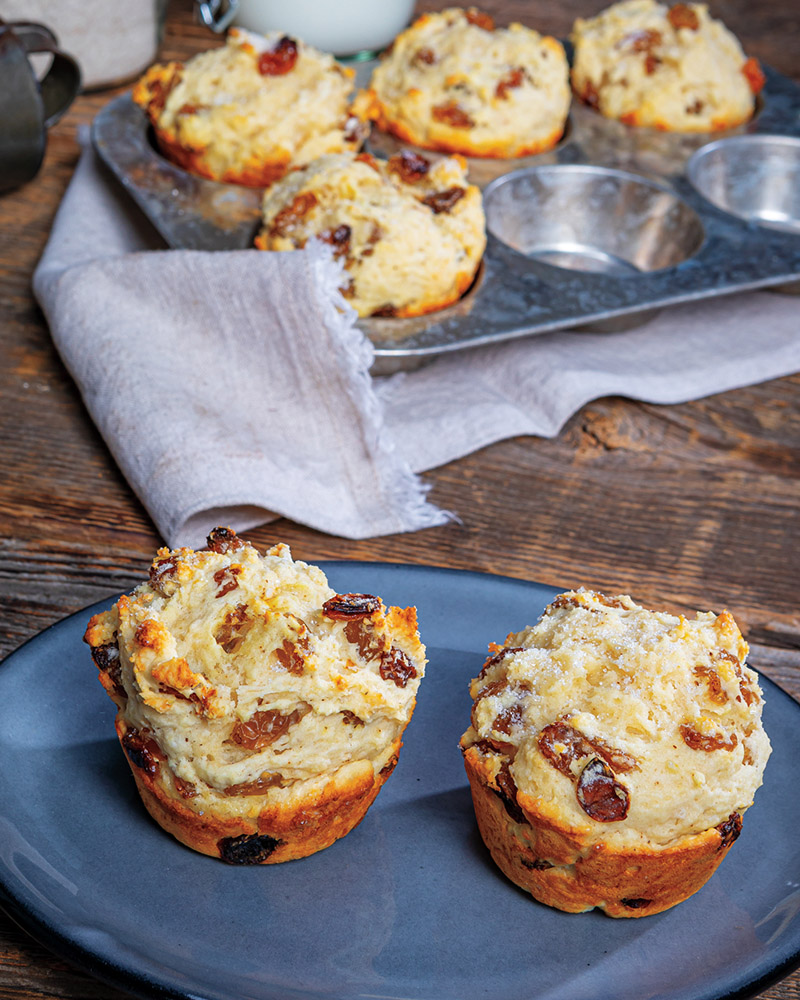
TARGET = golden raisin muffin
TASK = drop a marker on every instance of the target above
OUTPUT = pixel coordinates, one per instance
(248, 111)
(410, 232)
(260, 711)
(454, 82)
(612, 752)
(671, 68)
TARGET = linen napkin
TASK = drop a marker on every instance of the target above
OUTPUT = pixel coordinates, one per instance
(234, 387)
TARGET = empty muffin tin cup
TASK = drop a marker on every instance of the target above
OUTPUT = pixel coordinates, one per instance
(592, 219)
(595, 220)
(754, 177)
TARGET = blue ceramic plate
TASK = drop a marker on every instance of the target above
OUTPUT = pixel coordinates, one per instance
(409, 905)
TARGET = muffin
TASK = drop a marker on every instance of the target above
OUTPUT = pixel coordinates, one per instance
(260, 711)
(613, 751)
(456, 83)
(671, 68)
(248, 111)
(409, 232)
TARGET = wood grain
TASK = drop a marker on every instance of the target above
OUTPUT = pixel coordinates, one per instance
(688, 506)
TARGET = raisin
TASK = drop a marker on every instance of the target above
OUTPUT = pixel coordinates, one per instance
(491, 745)
(636, 903)
(514, 78)
(190, 109)
(235, 626)
(496, 746)
(106, 658)
(745, 691)
(290, 215)
(396, 666)
(290, 655)
(162, 572)
(385, 312)
(370, 644)
(185, 788)
(576, 745)
(388, 767)
(224, 540)
(591, 97)
(249, 849)
(715, 690)
(451, 114)
(682, 16)
(347, 607)
(263, 728)
(479, 19)
(160, 91)
(142, 750)
(697, 741)
(642, 41)
(425, 56)
(651, 63)
(443, 201)
(488, 692)
(338, 238)
(537, 864)
(258, 787)
(351, 719)
(501, 654)
(754, 75)
(695, 108)
(280, 60)
(508, 719)
(507, 792)
(409, 166)
(175, 693)
(599, 793)
(227, 579)
(730, 829)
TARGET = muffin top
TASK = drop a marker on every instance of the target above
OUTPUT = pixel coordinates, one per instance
(248, 673)
(409, 231)
(627, 725)
(454, 81)
(674, 68)
(256, 99)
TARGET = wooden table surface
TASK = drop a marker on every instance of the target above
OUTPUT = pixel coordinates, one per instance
(684, 507)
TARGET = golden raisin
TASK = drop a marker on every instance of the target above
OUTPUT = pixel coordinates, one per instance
(682, 16)
(698, 741)
(280, 60)
(347, 607)
(480, 19)
(451, 114)
(514, 78)
(443, 201)
(397, 667)
(599, 793)
(409, 166)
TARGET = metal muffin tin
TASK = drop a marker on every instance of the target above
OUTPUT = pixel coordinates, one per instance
(611, 225)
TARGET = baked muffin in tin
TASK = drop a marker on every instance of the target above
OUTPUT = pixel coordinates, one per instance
(410, 231)
(248, 111)
(671, 68)
(455, 82)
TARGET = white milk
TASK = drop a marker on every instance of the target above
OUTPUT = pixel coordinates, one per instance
(344, 27)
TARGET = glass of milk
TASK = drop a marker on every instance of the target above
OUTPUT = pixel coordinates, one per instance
(347, 28)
